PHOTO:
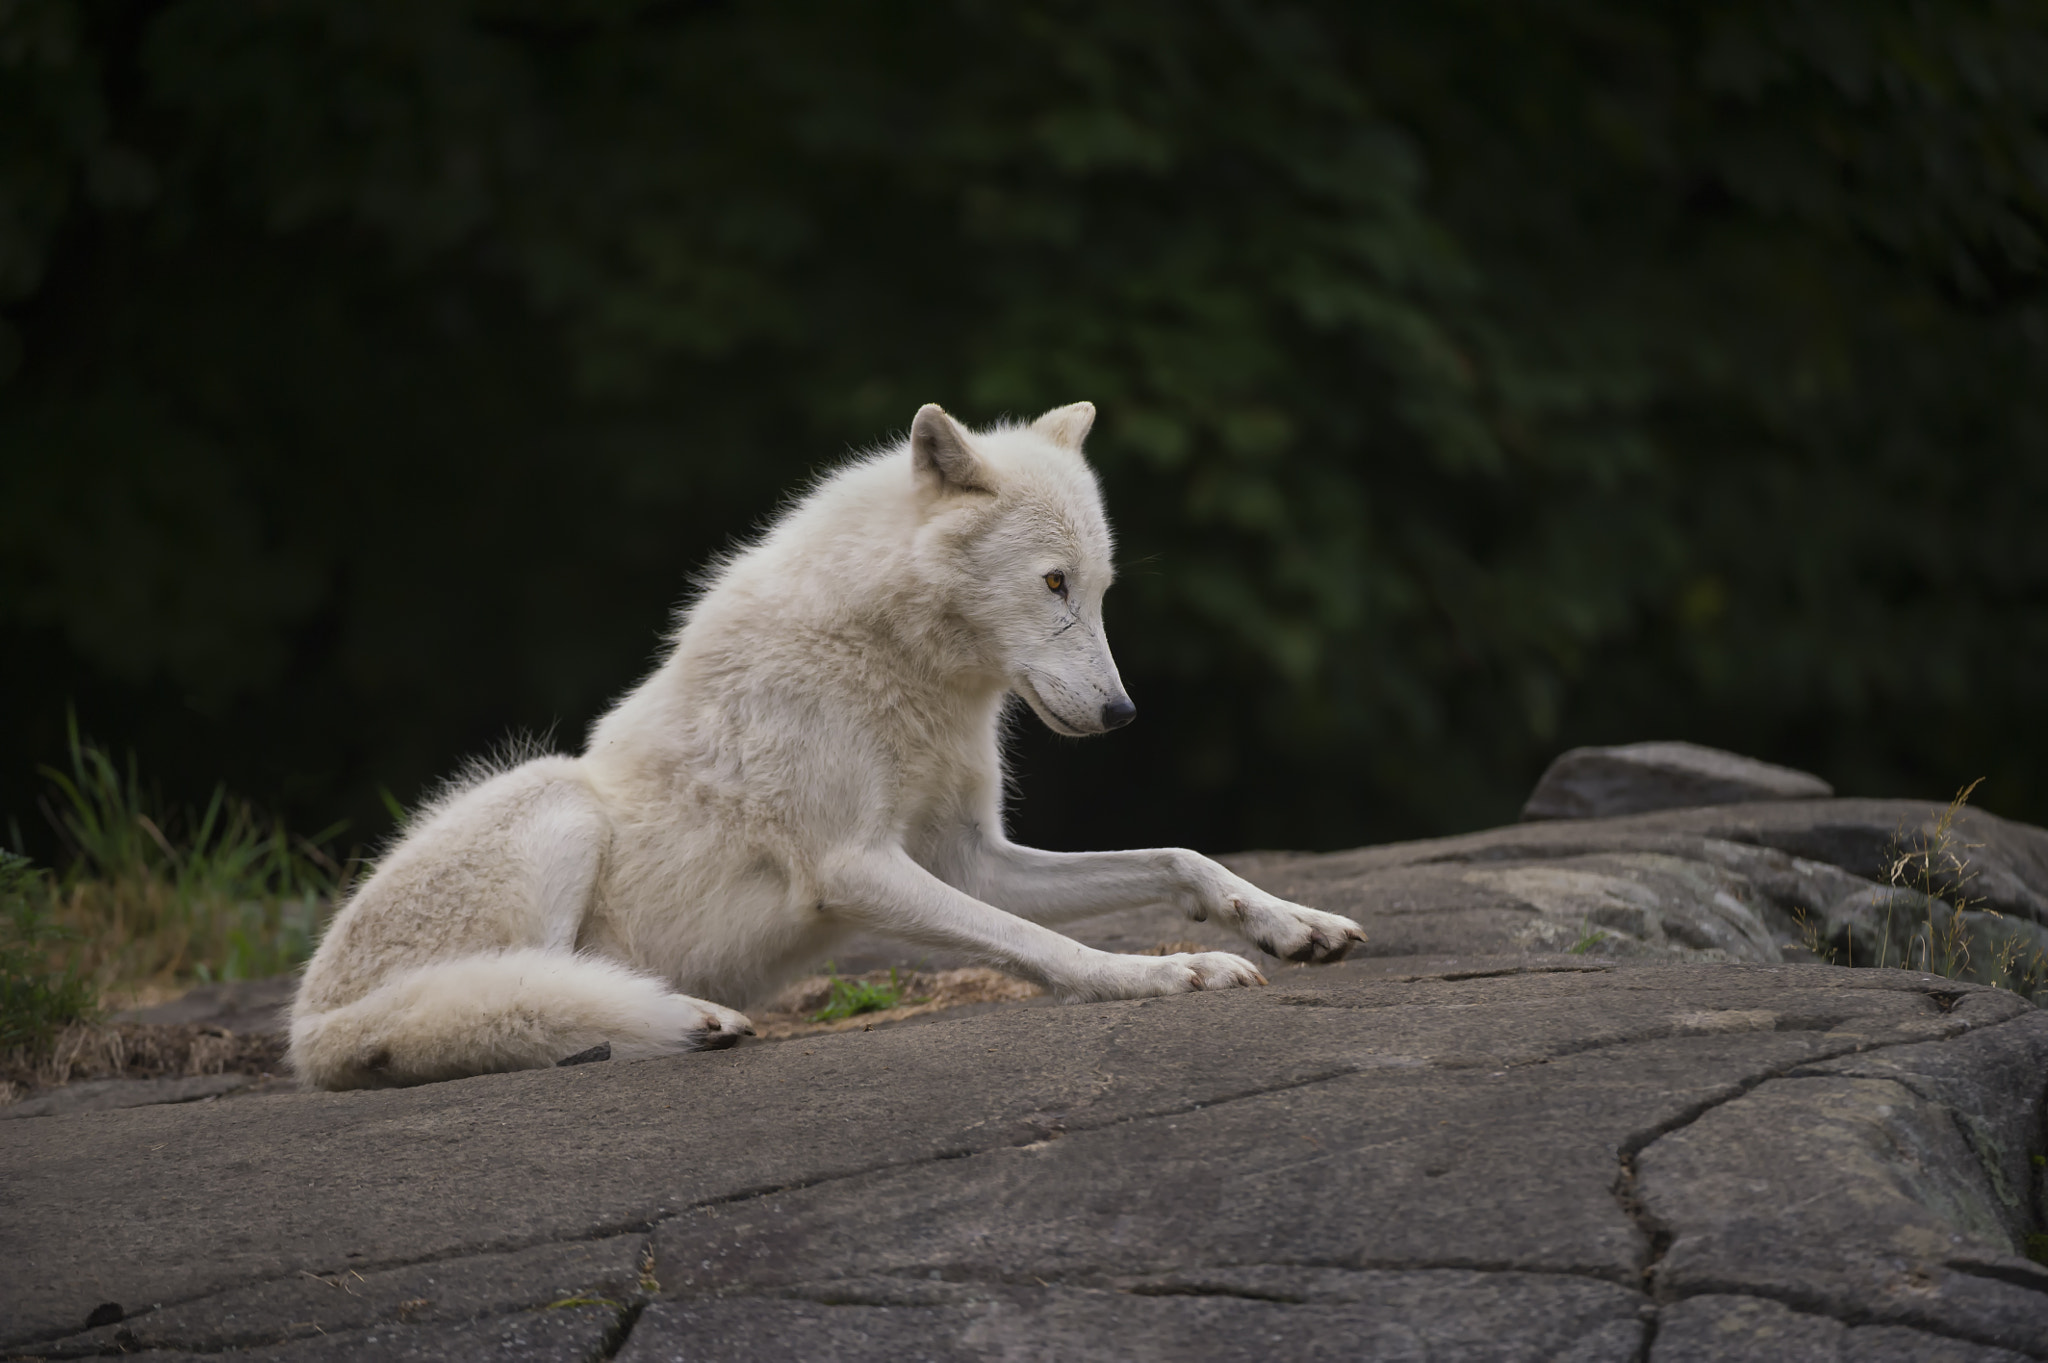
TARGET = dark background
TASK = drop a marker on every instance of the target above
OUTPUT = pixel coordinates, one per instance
(1477, 378)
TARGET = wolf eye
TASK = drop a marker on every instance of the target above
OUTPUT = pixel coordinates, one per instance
(1057, 581)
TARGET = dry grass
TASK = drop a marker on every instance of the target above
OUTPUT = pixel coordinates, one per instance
(134, 1050)
(1926, 918)
(793, 1011)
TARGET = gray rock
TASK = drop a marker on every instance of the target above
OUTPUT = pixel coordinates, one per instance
(576, 1334)
(1636, 778)
(602, 1274)
(107, 1095)
(1579, 1106)
(1750, 882)
(1426, 1158)
(1752, 1330)
(1250, 1314)
(1863, 1185)
(238, 1005)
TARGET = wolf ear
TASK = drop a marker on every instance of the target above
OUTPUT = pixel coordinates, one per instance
(1068, 425)
(939, 451)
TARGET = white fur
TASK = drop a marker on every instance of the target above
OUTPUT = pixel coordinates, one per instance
(818, 752)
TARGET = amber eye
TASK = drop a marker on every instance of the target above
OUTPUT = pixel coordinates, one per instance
(1057, 581)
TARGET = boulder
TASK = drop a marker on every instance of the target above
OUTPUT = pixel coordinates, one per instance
(1636, 778)
(1584, 1094)
(1763, 882)
(1484, 1158)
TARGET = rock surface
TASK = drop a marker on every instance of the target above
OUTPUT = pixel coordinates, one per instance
(1490, 1158)
(1743, 882)
(1583, 1102)
(106, 1095)
(1636, 778)
(236, 1005)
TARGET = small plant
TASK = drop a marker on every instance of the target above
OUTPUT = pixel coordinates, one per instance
(648, 1282)
(39, 995)
(853, 997)
(1590, 938)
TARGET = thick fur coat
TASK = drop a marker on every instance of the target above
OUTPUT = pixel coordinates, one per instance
(819, 752)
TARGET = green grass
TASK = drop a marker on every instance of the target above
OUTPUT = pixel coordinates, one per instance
(161, 894)
(1590, 938)
(42, 987)
(853, 997)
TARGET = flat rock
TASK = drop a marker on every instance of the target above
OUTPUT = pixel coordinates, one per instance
(1721, 1329)
(1252, 1314)
(237, 1005)
(105, 1095)
(1636, 778)
(1470, 1158)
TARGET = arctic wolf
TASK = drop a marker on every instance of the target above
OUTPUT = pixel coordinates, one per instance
(819, 752)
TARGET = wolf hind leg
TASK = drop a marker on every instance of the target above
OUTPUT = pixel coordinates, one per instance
(513, 1010)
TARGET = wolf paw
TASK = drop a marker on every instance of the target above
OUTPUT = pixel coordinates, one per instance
(1291, 931)
(1217, 970)
(718, 1028)
(1145, 977)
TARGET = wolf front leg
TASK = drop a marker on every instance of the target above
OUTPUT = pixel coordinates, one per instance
(1058, 887)
(887, 892)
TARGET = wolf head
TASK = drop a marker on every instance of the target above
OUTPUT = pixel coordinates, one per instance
(1015, 536)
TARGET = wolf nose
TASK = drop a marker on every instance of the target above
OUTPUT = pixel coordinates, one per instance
(1118, 712)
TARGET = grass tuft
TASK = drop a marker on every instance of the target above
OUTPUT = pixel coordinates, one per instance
(154, 899)
(850, 998)
(172, 895)
(1954, 933)
(1590, 939)
(1925, 917)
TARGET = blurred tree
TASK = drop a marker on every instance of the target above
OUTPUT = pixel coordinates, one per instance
(1477, 378)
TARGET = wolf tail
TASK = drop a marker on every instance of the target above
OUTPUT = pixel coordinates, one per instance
(513, 1010)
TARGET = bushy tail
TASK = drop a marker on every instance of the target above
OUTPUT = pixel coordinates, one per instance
(516, 1010)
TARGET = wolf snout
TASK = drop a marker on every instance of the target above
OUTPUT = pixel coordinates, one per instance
(1118, 712)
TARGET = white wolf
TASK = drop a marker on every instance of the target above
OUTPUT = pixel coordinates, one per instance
(818, 752)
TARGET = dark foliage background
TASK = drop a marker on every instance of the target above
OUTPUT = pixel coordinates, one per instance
(1477, 378)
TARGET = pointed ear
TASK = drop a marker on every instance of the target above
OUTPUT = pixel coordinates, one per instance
(944, 459)
(1068, 425)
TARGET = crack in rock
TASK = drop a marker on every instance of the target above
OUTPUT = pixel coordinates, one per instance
(1952, 1014)
(1654, 1235)
(1806, 1304)
(1657, 1237)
